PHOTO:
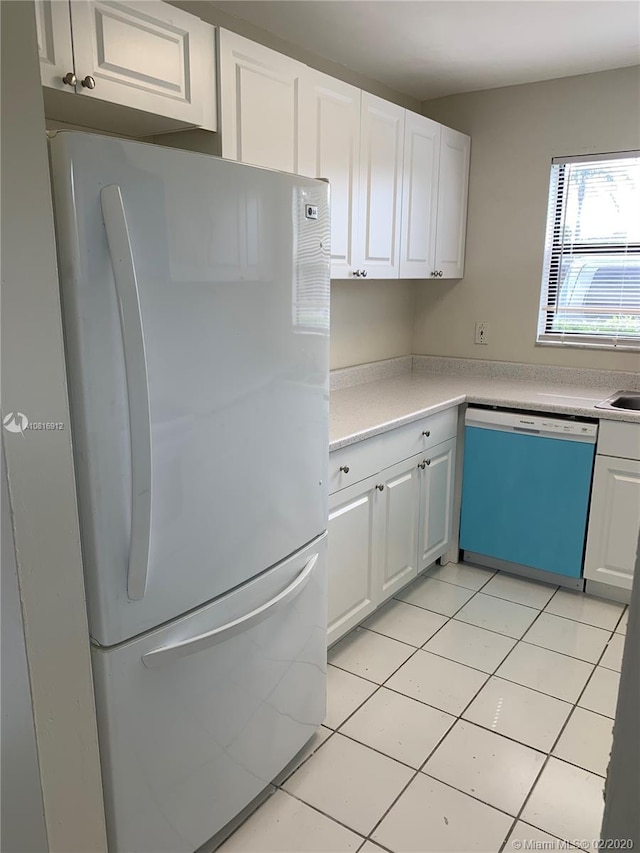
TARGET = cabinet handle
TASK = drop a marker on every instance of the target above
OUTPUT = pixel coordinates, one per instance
(89, 82)
(344, 468)
(439, 273)
(70, 79)
(380, 487)
(426, 433)
(427, 462)
(364, 273)
(422, 464)
(356, 273)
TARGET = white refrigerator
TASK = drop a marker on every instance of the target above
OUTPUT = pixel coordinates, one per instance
(195, 297)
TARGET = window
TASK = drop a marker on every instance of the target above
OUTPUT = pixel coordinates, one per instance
(591, 276)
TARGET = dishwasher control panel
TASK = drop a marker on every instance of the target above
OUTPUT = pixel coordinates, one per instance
(541, 425)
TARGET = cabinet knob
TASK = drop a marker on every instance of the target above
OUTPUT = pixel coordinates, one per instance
(426, 432)
(70, 79)
(89, 82)
(380, 487)
(364, 273)
(439, 273)
(427, 462)
(357, 273)
(344, 468)
(422, 465)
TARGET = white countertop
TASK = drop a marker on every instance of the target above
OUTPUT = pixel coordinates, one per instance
(364, 410)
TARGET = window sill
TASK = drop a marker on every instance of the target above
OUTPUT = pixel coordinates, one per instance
(630, 346)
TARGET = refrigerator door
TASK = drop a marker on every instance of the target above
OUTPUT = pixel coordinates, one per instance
(195, 719)
(196, 312)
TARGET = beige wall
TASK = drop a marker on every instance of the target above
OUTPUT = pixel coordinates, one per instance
(515, 131)
(42, 505)
(370, 321)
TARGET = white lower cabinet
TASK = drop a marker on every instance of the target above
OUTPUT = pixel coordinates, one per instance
(398, 501)
(386, 528)
(436, 504)
(352, 582)
(614, 522)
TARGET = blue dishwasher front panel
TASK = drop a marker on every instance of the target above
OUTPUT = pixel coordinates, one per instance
(525, 499)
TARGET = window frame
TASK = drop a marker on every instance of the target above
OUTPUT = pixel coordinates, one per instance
(555, 250)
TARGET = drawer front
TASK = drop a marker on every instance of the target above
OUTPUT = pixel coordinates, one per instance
(349, 465)
(619, 438)
(420, 435)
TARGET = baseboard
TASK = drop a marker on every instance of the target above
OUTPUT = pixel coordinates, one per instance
(524, 571)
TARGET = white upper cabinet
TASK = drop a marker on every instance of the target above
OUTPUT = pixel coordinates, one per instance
(259, 104)
(148, 56)
(398, 179)
(53, 27)
(330, 148)
(380, 194)
(453, 186)
(419, 196)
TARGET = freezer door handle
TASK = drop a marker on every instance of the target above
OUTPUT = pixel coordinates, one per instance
(167, 654)
(135, 362)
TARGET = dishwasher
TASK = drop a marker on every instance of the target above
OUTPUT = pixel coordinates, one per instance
(525, 493)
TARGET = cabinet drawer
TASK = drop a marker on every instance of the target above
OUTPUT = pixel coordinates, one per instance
(420, 435)
(619, 438)
(349, 465)
(373, 454)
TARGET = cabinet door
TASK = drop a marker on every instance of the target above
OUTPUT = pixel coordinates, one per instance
(259, 104)
(380, 193)
(353, 590)
(419, 196)
(614, 522)
(436, 502)
(330, 148)
(146, 55)
(397, 517)
(453, 184)
(53, 27)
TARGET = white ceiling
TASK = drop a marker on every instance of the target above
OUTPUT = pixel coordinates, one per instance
(431, 48)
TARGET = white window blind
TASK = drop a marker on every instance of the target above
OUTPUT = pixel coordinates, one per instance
(591, 276)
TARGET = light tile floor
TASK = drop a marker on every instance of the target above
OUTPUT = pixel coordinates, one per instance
(473, 712)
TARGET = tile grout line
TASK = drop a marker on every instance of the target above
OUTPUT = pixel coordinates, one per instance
(460, 716)
(492, 674)
(404, 788)
(550, 755)
(457, 718)
(446, 734)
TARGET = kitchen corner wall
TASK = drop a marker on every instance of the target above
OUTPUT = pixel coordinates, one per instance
(515, 131)
(370, 321)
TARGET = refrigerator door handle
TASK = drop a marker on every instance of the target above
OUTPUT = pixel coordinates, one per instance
(135, 361)
(167, 654)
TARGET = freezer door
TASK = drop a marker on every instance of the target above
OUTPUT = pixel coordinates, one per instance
(196, 312)
(195, 719)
